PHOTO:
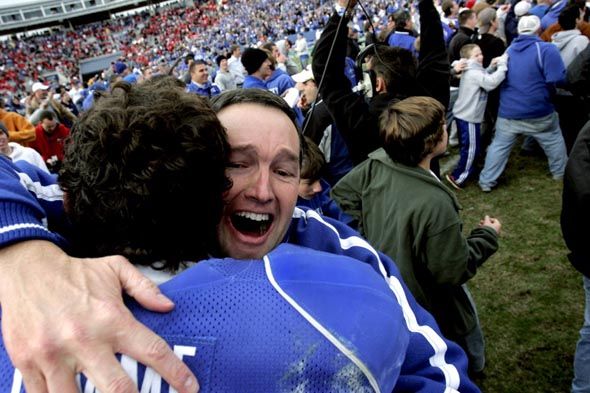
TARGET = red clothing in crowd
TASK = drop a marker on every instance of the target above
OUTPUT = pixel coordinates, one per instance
(50, 145)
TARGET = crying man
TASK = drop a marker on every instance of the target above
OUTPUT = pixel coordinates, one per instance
(264, 170)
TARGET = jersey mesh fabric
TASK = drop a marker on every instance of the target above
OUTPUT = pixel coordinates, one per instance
(247, 337)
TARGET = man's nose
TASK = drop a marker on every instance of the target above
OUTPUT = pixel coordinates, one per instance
(261, 187)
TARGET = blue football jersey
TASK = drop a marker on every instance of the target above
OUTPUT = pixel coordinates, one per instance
(298, 321)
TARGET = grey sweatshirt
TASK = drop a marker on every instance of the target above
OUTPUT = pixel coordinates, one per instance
(473, 90)
(570, 43)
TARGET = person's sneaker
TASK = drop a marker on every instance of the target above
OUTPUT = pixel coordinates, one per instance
(485, 188)
(453, 182)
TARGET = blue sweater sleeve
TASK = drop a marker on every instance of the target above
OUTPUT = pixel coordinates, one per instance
(553, 67)
(28, 198)
(433, 363)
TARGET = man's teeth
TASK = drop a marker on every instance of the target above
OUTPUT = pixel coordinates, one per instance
(254, 216)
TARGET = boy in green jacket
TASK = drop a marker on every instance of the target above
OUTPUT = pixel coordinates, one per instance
(405, 211)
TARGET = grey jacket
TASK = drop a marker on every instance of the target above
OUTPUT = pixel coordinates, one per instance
(473, 90)
(570, 43)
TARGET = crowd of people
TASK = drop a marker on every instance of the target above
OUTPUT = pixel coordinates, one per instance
(295, 146)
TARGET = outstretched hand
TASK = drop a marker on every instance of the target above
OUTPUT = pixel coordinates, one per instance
(491, 222)
(64, 315)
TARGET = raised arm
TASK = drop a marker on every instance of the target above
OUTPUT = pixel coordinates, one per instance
(351, 113)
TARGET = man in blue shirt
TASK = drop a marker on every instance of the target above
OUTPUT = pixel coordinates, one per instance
(200, 83)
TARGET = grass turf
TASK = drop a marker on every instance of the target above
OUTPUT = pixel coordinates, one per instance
(530, 299)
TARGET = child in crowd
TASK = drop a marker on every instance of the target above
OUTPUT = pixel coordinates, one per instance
(404, 210)
(470, 107)
(314, 192)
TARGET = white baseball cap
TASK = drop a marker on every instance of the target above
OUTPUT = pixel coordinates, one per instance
(39, 86)
(303, 76)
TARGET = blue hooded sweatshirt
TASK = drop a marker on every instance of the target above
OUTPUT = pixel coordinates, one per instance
(534, 67)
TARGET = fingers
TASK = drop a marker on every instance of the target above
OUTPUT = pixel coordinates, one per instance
(106, 374)
(138, 286)
(62, 381)
(32, 379)
(146, 347)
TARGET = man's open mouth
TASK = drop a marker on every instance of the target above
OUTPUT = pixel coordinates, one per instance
(253, 224)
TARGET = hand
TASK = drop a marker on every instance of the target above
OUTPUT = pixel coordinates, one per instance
(460, 66)
(344, 3)
(492, 223)
(64, 315)
(282, 58)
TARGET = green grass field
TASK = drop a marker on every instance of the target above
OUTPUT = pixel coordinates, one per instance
(530, 299)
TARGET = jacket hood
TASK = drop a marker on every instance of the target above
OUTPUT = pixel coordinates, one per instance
(523, 42)
(382, 156)
(562, 38)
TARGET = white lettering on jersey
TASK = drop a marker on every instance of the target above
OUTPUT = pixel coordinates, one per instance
(17, 381)
(152, 382)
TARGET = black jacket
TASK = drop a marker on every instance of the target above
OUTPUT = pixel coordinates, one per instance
(575, 213)
(355, 118)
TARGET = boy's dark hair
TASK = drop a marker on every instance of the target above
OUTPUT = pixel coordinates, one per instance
(259, 97)
(464, 16)
(314, 162)
(143, 165)
(46, 114)
(411, 128)
(397, 67)
(568, 16)
(466, 50)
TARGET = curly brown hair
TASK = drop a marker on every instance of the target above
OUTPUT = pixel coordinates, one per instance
(144, 175)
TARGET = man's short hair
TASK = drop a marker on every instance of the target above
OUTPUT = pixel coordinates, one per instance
(314, 162)
(145, 163)
(466, 50)
(259, 97)
(233, 48)
(464, 16)
(401, 19)
(397, 67)
(46, 114)
(411, 129)
(447, 7)
(194, 64)
(568, 16)
(268, 46)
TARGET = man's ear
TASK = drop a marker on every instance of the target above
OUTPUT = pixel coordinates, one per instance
(380, 85)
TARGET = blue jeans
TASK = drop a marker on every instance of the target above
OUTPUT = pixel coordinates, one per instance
(581, 382)
(473, 342)
(545, 130)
